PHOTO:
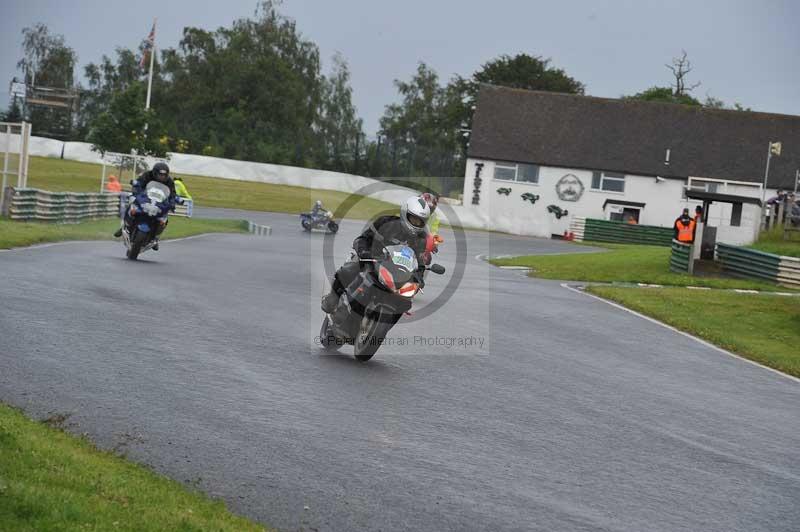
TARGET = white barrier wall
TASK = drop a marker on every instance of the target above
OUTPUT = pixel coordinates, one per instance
(182, 163)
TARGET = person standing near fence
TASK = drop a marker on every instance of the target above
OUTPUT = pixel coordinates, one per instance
(180, 188)
(684, 228)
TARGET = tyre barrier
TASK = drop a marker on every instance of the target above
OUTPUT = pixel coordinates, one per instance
(680, 260)
(69, 207)
(259, 230)
(64, 207)
(593, 229)
(759, 265)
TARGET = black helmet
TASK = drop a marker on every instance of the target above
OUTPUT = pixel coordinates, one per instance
(160, 171)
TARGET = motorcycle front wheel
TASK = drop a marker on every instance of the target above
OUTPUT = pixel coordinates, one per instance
(306, 225)
(370, 336)
(326, 339)
(137, 242)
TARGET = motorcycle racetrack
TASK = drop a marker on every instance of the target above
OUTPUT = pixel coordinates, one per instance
(517, 405)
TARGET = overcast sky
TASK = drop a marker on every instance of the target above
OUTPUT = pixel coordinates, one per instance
(742, 51)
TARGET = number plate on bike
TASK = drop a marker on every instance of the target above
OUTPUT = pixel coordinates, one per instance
(404, 259)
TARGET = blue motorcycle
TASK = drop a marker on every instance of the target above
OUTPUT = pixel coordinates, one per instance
(324, 219)
(148, 210)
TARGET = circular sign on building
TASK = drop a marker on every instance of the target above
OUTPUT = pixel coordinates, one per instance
(569, 188)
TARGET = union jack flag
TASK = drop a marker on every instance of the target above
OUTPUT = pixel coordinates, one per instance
(148, 45)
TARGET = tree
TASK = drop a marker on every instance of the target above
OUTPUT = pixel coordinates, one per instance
(48, 62)
(126, 125)
(104, 80)
(663, 94)
(13, 114)
(524, 71)
(419, 134)
(428, 132)
(679, 91)
(680, 67)
(252, 91)
(341, 132)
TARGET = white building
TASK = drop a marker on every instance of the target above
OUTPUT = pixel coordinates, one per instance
(534, 155)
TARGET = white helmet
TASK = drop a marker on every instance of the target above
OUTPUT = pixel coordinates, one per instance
(318, 204)
(414, 214)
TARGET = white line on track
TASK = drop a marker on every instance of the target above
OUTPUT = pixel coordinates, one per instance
(670, 327)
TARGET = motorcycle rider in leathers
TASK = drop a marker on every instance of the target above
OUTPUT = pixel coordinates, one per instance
(409, 228)
(159, 173)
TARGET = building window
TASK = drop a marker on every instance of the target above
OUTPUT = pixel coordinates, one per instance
(524, 173)
(705, 186)
(608, 181)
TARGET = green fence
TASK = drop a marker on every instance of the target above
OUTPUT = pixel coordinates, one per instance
(680, 260)
(753, 264)
(623, 233)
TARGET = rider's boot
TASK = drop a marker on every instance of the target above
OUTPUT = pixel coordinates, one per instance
(331, 299)
(118, 232)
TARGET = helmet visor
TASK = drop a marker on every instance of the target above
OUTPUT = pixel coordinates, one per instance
(415, 220)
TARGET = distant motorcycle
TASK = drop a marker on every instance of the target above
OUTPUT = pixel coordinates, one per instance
(147, 209)
(311, 221)
(368, 309)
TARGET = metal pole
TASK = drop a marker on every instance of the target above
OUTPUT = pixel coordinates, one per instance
(766, 172)
(152, 56)
(103, 178)
(150, 77)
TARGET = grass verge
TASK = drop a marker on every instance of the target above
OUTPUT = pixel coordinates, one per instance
(18, 234)
(773, 242)
(50, 480)
(624, 263)
(767, 327)
(60, 175)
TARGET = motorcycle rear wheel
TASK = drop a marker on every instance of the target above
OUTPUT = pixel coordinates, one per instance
(333, 226)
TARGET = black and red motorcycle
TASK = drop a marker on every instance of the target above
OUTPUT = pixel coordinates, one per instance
(373, 303)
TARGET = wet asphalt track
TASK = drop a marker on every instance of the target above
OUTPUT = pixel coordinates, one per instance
(572, 415)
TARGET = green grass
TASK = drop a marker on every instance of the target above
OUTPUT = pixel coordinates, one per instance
(623, 263)
(18, 234)
(773, 242)
(62, 176)
(50, 480)
(767, 327)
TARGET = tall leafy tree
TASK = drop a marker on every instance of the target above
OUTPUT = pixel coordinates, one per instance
(47, 61)
(126, 125)
(341, 131)
(252, 91)
(104, 80)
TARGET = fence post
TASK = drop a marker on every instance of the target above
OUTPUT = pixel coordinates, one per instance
(5, 168)
(22, 178)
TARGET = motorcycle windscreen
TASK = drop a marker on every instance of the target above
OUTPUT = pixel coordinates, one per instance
(404, 263)
(157, 192)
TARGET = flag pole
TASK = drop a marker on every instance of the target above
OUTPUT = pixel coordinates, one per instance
(152, 57)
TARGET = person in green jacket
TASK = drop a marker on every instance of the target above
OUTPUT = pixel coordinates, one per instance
(433, 221)
(180, 188)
